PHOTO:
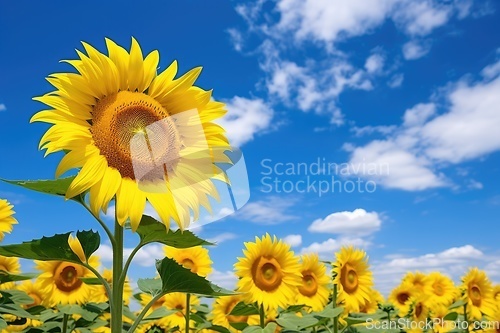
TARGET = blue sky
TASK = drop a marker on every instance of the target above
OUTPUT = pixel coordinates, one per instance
(411, 86)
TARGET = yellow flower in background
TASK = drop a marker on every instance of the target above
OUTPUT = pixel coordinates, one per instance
(33, 290)
(114, 99)
(99, 294)
(221, 312)
(194, 258)
(353, 278)
(496, 292)
(418, 314)
(419, 280)
(61, 280)
(153, 327)
(10, 265)
(6, 218)
(442, 289)
(177, 301)
(438, 313)
(270, 317)
(371, 306)
(478, 293)
(314, 289)
(400, 297)
(269, 273)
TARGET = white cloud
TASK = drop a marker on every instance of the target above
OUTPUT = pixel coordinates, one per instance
(421, 17)
(2, 107)
(413, 50)
(374, 63)
(225, 279)
(293, 240)
(396, 81)
(367, 130)
(272, 210)
(326, 249)
(246, 118)
(236, 38)
(357, 223)
(419, 114)
(225, 236)
(145, 257)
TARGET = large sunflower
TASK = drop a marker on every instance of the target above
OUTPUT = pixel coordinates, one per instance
(222, 308)
(314, 289)
(269, 272)
(136, 135)
(194, 258)
(6, 218)
(478, 293)
(61, 280)
(10, 265)
(443, 290)
(33, 290)
(400, 297)
(353, 278)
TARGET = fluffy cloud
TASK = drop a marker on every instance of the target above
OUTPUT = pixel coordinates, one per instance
(246, 117)
(327, 248)
(353, 224)
(272, 210)
(145, 257)
(293, 240)
(2, 107)
(225, 279)
(225, 236)
(415, 49)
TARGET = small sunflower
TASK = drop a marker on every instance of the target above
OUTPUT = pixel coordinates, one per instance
(61, 279)
(177, 301)
(221, 312)
(352, 277)
(99, 294)
(443, 290)
(33, 290)
(400, 297)
(371, 306)
(478, 293)
(419, 312)
(269, 272)
(314, 290)
(136, 135)
(6, 218)
(496, 292)
(10, 265)
(438, 313)
(194, 258)
(419, 280)
(154, 327)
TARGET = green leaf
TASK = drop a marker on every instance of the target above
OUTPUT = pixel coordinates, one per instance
(243, 309)
(7, 277)
(50, 186)
(176, 278)
(457, 304)
(294, 322)
(330, 312)
(90, 241)
(91, 281)
(46, 248)
(153, 231)
(76, 309)
(159, 313)
(15, 310)
(150, 286)
(17, 296)
(452, 316)
(218, 328)
(3, 324)
(270, 328)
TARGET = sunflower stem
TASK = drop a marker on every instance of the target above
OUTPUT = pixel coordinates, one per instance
(123, 276)
(262, 316)
(143, 312)
(334, 303)
(101, 222)
(65, 323)
(103, 281)
(188, 311)
(466, 319)
(116, 286)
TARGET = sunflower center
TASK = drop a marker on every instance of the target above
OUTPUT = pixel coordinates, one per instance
(402, 298)
(266, 273)
(67, 277)
(180, 307)
(189, 264)
(309, 285)
(475, 295)
(231, 318)
(418, 310)
(37, 300)
(438, 290)
(136, 135)
(349, 278)
(3, 268)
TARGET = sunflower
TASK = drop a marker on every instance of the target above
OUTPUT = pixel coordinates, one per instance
(177, 301)
(269, 273)
(194, 258)
(10, 265)
(438, 313)
(136, 135)
(352, 277)
(419, 312)
(314, 290)
(99, 294)
(6, 218)
(496, 292)
(153, 327)
(371, 306)
(33, 290)
(61, 279)
(419, 280)
(443, 290)
(400, 297)
(478, 293)
(270, 317)
(221, 312)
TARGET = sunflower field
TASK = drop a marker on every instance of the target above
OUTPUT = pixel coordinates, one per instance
(94, 113)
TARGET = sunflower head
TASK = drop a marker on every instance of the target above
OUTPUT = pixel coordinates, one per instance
(372, 305)
(7, 219)
(10, 265)
(400, 297)
(314, 290)
(135, 135)
(194, 258)
(269, 273)
(419, 280)
(353, 278)
(442, 289)
(478, 293)
(221, 313)
(33, 290)
(177, 301)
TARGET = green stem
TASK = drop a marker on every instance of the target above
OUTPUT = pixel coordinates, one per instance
(143, 312)
(117, 288)
(334, 303)
(262, 316)
(101, 222)
(188, 311)
(65, 323)
(466, 318)
(123, 276)
(103, 281)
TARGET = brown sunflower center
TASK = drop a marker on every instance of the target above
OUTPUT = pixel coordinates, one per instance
(180, 307)
(37, 300)
(67, 277)
(349, 278)
(475, 294)
(231, 318)
(438, 289)
(309, 285)
(266, 273)
(402, 298)
(135, 134)
(418, 310)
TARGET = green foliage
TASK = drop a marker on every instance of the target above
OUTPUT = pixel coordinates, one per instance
(49, 186)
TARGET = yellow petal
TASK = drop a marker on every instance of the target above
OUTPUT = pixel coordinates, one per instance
(162, 81)
(150, 65)
(135, 67)
(91, 173)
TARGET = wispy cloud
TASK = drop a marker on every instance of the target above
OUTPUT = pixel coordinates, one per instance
(272, 210)
(3, 107)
